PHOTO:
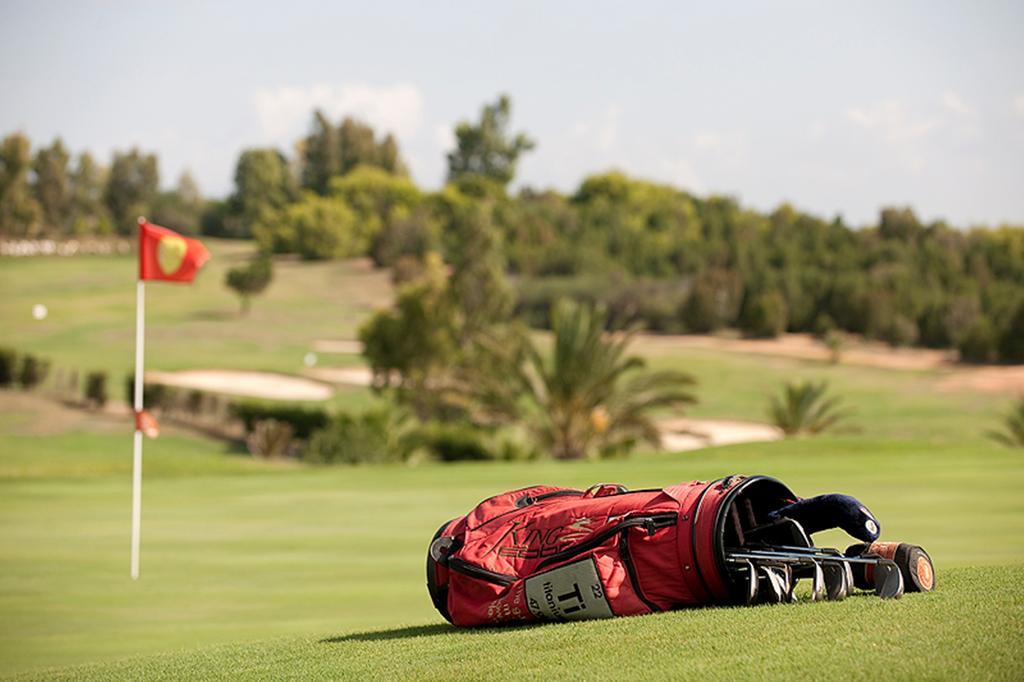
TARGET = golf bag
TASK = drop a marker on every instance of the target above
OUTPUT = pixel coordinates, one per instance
(549, 553)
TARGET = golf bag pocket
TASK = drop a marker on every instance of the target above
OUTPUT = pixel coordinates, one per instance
(596, 584)
(560, 554)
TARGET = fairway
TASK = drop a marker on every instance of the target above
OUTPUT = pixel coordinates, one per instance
(320, 554)
(281, 570)
(975, 619)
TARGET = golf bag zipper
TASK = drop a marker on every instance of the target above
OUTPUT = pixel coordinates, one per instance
(650, 523)
(520, 504)
(473, 571)
(634, 579)
(527, 500)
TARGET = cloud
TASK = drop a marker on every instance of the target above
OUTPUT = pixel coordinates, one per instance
(892, 120)
(732, 143)
(444, 138)
(1018, 105)
(681, 173)
(601, 133)
(284, 113)
(953, 102)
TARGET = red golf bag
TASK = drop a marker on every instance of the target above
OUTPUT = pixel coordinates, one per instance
(546, 553)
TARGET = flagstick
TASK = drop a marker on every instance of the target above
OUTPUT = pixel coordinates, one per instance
(140, 334)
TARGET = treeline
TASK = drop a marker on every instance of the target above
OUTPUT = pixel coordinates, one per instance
(651, 253)
(681, 263)
(51, 193)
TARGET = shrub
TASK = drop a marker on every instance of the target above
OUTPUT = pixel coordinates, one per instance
(33, 371)
(8, 366)
(314, 227)
(834, 341)
(249, 280)
(823, 326)
(270, 439)
(1011, 347)
(763, 316)
(536, 297)
(1013, 421)
(804, 408)
(652, 304)
(303, 420)
(96, 388)
(900, 331)
(371, 437)
(700, 312)
(454, 442)
(979, 342)
(154, 396)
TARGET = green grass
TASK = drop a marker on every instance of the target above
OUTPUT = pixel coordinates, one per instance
(91, 302)
(970, 629)
(323, 553)
(286, 571)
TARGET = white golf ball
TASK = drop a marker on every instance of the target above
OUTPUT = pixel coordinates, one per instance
(310, 359)
(39, 311)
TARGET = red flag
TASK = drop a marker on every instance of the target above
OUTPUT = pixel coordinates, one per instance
(145, 422)
(166, 255)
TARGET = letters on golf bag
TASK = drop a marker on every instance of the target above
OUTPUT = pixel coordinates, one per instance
(549, 553)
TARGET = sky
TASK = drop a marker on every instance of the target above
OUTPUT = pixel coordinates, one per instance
(837, 108)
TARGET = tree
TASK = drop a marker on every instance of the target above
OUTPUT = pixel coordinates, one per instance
(700, 311)
(487, 149)
(899, 223)
(377, 197)
(388, 156)
(263, 184)
(132, 185)
(478, 283)
(89, 214)
(764, 315)
(20, 214)
(412, 347)
(356, 146)
(979, 343)
(53, 187)
(330, 151)
(319, 152)
(804, 408)
(589, 399)
(250, 279)
(181, 208)
(315, 228)
(1011, 347)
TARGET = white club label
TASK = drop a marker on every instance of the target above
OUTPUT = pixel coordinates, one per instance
(572, 592)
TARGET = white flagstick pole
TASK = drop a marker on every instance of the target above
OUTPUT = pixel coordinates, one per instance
(140, 335)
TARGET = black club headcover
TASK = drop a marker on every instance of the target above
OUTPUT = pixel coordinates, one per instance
(832, 511)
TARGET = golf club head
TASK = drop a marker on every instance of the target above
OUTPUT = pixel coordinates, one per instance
(888, 580)
(790, 584)
(818, 583)
(838, 581)
(752, 580)
(775, 581)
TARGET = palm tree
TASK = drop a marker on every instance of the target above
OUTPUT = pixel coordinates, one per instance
(587, 399)
(803, 408)
(1013, 437)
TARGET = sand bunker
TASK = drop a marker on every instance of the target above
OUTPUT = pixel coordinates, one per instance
(693, 434)
(988, 379)
(806, 347)
(253, 384)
